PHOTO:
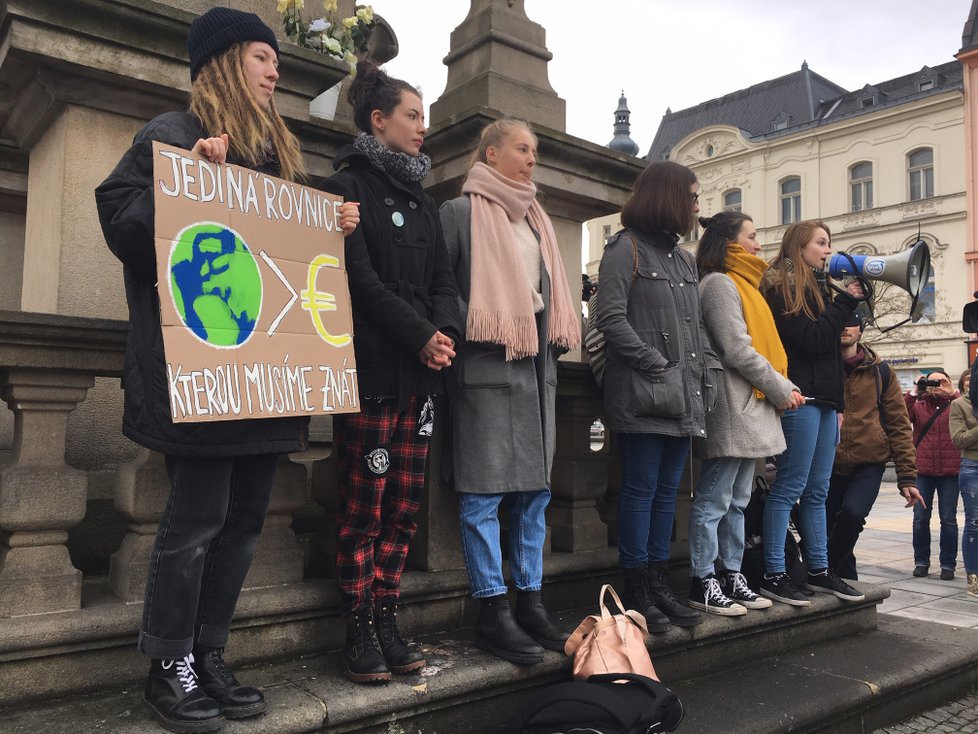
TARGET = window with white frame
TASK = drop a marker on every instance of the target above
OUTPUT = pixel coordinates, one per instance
(790, 200)
(920, 169)
(861, 186)
(732, 200)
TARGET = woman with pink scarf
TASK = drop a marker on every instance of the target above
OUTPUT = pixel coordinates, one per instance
(519, 317)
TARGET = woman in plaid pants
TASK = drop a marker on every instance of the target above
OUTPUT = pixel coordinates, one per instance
(405, 321)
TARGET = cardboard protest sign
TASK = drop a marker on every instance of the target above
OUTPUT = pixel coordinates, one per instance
(254, 299)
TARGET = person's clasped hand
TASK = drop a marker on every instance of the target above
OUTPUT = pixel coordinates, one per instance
(438, 353)
(213, 149)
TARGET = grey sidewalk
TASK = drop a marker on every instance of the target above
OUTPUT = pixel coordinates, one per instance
(884, 555)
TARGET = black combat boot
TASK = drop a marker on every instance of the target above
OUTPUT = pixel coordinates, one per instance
(400, 658)
(638, 596)
(218, 682)
(666, 602)
(176, 701)
(498, 633)
(363, 662)
(532, 616)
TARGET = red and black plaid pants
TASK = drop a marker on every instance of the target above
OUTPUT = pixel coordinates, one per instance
(382, 462)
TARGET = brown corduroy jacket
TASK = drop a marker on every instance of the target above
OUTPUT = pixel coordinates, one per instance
(864, 439)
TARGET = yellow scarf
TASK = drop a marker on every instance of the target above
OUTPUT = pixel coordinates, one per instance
(745, 270)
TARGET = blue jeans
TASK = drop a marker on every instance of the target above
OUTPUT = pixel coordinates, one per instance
(652, 466)
(716, 520)
(811, 433)
(479, 514)
(850, 500)
(968, 481)
(947, 504)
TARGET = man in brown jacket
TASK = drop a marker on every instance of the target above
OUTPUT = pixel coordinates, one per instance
(875, 428)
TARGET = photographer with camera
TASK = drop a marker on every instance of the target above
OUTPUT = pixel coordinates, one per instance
(937, 471)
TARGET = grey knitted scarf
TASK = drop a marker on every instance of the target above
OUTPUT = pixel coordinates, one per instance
(405, 168)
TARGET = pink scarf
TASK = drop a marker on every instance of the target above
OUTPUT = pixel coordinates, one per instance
(500, 308)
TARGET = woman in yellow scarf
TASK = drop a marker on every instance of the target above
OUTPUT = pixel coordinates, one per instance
(744, 425)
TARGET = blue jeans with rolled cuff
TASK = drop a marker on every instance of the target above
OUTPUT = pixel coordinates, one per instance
(968, 483)
(716, 520)
(203, 550)
(652, 466)
(946, 489)
(479, 515)
(811, 433)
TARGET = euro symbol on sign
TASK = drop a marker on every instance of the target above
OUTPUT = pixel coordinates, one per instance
(315, 301)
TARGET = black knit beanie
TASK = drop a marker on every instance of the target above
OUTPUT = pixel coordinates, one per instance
(220, 28)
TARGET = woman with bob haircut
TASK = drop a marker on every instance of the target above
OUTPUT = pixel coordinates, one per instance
(744, 424)
(405, 324)
(659, 377)
(519, 317)
(220, 473)
(810, 322)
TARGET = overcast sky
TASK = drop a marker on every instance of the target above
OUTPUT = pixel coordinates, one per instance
(678, 53)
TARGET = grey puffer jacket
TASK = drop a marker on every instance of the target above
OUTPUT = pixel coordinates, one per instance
(660, 371)
(740, 425)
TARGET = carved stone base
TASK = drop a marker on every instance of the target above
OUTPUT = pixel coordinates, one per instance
(36, 575)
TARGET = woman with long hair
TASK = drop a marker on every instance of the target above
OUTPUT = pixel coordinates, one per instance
(744, 424)
(519, 317)
(405, 323)
(221, 473)
(659, 377)
(809, 322)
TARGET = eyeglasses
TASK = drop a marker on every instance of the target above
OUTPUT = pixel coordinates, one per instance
(696, 197)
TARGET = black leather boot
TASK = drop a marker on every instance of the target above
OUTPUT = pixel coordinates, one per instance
(218, 682)
(532, 616)
(400, 658)
(638, 596)
(498, 633)
(363, 662)
(176, 701)
(666, 602)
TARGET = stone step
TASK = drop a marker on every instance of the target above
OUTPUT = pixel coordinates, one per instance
(463, 689)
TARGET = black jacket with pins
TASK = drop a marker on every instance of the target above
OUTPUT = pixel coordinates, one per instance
(126, 213)
(401, 282)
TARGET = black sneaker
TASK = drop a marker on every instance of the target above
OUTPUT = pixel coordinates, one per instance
(734, 587)
(829, 583)
(947, 574)
(705, 594)
(781, 588)
(920, 571)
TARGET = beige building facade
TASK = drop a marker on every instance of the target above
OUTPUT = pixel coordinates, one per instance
(877, 176)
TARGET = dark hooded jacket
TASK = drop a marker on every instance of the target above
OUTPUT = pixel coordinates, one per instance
(126, 213)
(401, 283)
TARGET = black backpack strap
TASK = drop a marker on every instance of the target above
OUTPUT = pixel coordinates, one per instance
(883, 374)
(928, 424)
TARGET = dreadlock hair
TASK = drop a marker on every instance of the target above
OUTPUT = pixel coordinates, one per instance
(718, 232)
(220, 99)
(790, 277)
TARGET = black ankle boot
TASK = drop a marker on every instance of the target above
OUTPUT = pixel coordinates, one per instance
(400, 658)
(218, 682)
(532, 617)
(176, 701)
(638, 596)
(363, 662)
(498, 633)
(666, 602)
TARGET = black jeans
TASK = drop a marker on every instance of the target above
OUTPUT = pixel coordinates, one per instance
(846, 509)
(203, 550)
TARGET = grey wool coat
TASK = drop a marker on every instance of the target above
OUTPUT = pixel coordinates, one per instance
(740, 424)
(660, 371)
(503, 422)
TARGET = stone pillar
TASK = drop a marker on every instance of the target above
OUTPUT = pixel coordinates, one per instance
(142, 488)
(325, 491)
(579, 476)
(40, 496)
(279, 558)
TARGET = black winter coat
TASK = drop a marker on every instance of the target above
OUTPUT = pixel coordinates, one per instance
(401, 283)
(814, 348)
(126, 213)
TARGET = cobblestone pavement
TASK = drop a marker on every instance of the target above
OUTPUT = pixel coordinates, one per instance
(884, 555)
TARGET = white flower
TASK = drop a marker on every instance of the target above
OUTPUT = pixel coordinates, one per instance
(314, 41)
(320, 25)
(333, 46)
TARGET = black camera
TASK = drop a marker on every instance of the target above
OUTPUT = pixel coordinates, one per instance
(923, 383)
(588, 287)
